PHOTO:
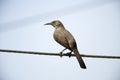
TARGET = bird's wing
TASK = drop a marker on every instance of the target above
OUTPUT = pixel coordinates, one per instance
(70, 39)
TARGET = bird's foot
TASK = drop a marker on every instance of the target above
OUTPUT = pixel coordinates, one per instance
(69, 54)
(61, 54)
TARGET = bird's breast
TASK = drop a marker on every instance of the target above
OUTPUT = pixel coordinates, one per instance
(61, 38)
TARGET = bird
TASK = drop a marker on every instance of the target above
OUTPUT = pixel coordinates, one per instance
(66, 39)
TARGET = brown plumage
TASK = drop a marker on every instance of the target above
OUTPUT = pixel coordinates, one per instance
(65, 38)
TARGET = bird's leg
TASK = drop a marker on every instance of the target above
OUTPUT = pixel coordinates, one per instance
(69, 54)
(61, 53)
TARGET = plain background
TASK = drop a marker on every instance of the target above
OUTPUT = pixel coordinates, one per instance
(95, 25)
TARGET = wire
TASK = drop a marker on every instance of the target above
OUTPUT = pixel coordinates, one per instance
(57, 54)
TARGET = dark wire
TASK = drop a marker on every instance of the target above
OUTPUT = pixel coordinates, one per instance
(57, 54)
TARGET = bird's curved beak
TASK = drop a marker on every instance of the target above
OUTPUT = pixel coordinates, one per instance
(47, 24)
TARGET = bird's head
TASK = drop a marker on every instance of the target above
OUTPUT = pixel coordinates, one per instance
(55, 23)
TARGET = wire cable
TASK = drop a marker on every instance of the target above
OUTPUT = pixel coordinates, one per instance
(57, 54)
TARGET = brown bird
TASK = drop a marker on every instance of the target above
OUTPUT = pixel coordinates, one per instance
(65, 38)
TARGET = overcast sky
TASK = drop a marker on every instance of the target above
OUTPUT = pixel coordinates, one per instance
(95, 24)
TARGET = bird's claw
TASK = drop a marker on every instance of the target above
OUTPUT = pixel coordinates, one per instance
(61, 54)
(69, 54)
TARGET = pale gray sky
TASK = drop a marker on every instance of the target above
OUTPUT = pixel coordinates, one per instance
(95, 25)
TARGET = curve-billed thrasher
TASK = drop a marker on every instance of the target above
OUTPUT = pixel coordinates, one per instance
(65, 38)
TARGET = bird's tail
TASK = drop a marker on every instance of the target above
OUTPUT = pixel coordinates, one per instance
(79, 58)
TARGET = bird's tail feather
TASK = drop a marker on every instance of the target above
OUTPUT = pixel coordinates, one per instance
(79, 58)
